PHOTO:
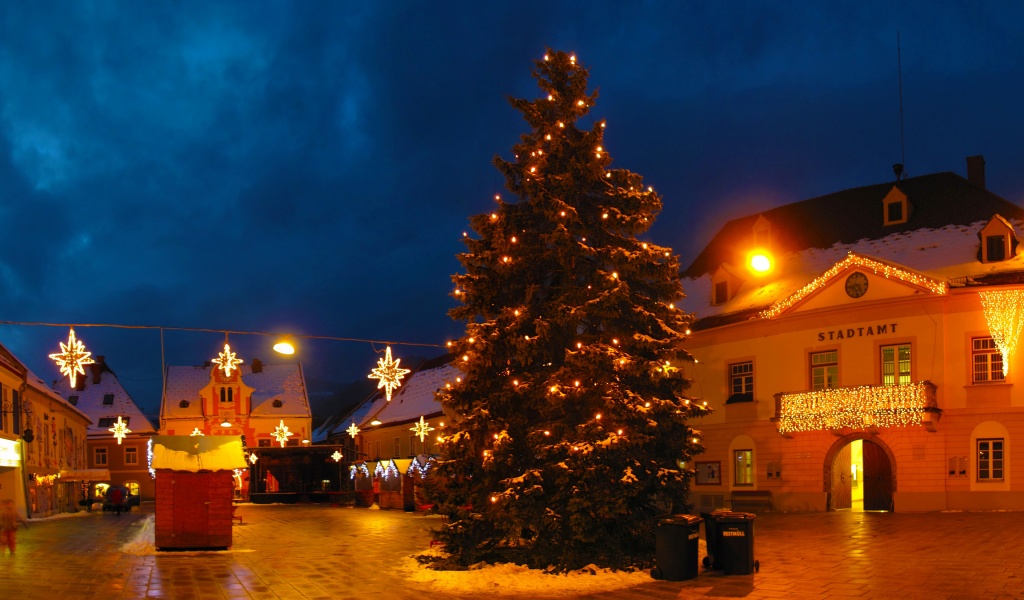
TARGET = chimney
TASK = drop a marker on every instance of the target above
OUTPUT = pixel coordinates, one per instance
(976, 170)
(97, 369)
(257, 365)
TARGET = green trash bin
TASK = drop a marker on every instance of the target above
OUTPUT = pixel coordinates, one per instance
(736, 543)
(676, 545)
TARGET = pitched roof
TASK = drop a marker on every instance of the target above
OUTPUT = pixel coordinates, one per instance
(415, 398)
(845, 217)
(92, 394)
(274, 382)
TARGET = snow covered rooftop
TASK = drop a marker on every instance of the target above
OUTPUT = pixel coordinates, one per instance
(944, 254)
(105, 399)
(414, 399)
(272, 382)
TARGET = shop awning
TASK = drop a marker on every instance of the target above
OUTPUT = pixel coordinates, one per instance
(85, 474)
(198, 453)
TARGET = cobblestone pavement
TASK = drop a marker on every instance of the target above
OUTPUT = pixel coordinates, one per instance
(319, 551)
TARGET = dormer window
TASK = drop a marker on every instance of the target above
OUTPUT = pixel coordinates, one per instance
(73, 400)
(278, 404)
(762, 232)
(998, 240)
(108, 399)
(227, 394)
(724, 285)
(896, 207)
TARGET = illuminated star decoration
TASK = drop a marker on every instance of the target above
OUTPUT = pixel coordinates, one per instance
(421, 429)
(388, 373)
(72, 357)
(352, 429)
(252, 458)
(281, 434)
(120, 430)
(336, 456)
(196, 432)
(227, 360)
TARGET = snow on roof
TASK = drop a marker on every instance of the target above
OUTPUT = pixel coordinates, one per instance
(340, 422)
(91, 403)
(273, 382)
(199, 453)
(942, 254)
(414, 399)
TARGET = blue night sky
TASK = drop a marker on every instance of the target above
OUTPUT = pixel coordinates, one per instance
(310, 166)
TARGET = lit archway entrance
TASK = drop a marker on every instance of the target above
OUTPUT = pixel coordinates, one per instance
(859, 474)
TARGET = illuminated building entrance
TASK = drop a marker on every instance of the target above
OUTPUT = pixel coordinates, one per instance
(859, 475)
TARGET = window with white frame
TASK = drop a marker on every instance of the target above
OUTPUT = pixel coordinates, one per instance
(100, 456)
(743, 467)
(990, 459)
(987, 360)
(896, 365)
(825, 370)
(131, 455)
(741, 381)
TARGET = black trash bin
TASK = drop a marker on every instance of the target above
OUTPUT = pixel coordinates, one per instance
(713, 559)
(736, 543)
(676, 544)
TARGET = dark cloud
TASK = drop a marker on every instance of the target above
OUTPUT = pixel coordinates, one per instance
(310, 167)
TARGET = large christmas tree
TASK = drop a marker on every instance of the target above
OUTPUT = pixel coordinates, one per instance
(571, 432)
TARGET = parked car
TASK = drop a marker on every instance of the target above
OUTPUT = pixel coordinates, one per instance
(117, 499)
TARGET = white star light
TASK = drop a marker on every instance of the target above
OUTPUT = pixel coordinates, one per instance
(281, 434)
(252, 458)
(336, 456)
(196, 432)
(72, 357)
(227, 361)
(353, 430)
(120, 430)
(421, 429)
(388, 373)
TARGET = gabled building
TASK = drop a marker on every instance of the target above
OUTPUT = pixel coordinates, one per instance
(253, 400)
(397, 439)
(41, 438)
(859, 351)
(111, 461)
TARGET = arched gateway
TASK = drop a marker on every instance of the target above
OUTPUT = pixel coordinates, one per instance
(859, 474)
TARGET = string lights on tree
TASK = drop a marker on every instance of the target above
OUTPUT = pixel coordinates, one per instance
(389, 373)
(1004, 312)
(570, 357)
(72, 358)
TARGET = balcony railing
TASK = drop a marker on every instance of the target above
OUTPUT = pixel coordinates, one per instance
(857, 407)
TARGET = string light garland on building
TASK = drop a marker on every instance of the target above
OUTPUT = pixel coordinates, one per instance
(421, 429)
(227, 360)
(856, 407)
(281, 433)
(120, 430)
(72, 358)
(389, 373)
(353, 430)
(852, 260)
(386, 471)
(418, 468)
(357, 469)
(1004, 312)
(149, 458)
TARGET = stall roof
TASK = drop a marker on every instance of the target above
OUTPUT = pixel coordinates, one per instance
(198, 453)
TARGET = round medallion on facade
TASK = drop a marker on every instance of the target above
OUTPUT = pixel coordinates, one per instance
(856, 285)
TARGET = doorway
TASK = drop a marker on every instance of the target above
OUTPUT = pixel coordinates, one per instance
(860, 476)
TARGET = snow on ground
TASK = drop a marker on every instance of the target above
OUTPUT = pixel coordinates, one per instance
(511, 580)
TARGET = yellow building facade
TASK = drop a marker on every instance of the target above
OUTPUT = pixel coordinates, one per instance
(875, 371)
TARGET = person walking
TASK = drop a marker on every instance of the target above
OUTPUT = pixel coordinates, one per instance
(9, 525)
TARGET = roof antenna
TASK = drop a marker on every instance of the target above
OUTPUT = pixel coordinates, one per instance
(898, 168)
